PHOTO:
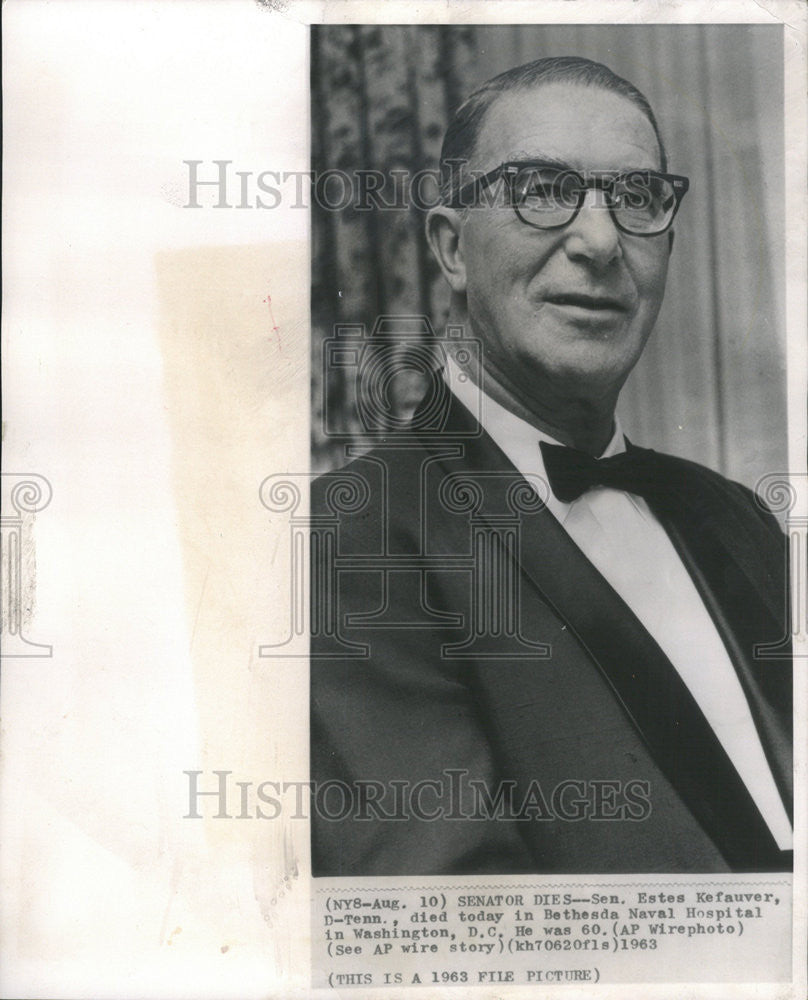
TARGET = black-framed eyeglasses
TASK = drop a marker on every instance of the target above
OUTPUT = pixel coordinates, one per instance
(548, 195)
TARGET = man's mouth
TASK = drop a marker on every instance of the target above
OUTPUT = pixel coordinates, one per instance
(582, 300)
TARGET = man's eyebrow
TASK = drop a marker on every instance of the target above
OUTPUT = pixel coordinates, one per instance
(550, 161)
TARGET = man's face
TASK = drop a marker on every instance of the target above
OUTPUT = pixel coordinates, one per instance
(568, 309)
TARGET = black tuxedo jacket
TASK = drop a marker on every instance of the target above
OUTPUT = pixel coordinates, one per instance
(482, 700)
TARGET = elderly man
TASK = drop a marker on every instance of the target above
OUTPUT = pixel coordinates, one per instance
(573, 684)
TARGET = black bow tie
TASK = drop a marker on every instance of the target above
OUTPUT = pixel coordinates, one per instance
(572, 472)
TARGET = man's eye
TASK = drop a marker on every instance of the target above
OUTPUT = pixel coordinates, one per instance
(542, 189)
(639, 193)
(636, 198)
(553, 188)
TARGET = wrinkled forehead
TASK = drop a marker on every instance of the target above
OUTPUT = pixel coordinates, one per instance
(583, 126)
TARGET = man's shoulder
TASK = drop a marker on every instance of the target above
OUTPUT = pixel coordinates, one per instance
(383, 477)
(689, 471)
(712, 489)
(380, 460)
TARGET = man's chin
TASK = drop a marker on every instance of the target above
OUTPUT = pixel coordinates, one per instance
(594, 376)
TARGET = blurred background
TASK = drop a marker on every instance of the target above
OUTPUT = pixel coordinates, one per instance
(711, 384)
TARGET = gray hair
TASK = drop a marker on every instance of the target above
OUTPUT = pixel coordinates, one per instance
(464, 129)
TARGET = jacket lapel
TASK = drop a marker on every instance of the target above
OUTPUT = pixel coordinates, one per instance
(738, 565)
(642, 680)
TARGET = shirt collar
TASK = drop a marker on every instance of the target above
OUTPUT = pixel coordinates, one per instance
(518, 439)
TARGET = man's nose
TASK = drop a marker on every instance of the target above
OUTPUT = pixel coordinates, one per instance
(592, 235)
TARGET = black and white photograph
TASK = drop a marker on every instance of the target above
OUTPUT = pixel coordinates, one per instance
(551, 628)
(404, 500)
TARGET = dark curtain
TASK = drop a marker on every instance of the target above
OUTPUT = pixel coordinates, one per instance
(711, 385)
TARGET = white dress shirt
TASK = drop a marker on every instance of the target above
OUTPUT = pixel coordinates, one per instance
(620, 535)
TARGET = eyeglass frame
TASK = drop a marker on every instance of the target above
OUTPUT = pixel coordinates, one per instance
(596, 179)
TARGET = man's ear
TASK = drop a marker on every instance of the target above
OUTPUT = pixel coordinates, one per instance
(444, 231)
(670, 241)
